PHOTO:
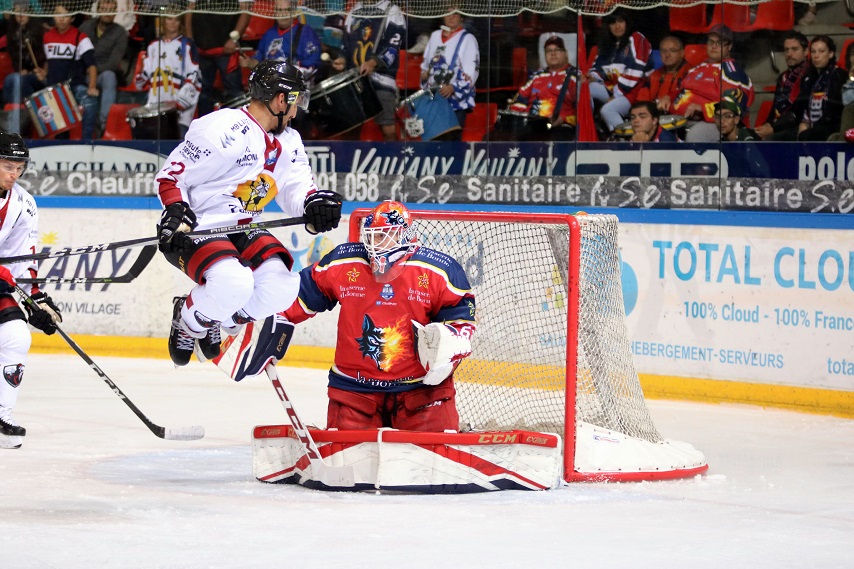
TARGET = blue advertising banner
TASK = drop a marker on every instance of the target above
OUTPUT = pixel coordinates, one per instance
(767, 176)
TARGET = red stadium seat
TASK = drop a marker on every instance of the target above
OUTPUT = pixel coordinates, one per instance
(691, 19)
(257, 27)
(117, 127)
(371, 132)
(520, 66)
(409, 72)
(137, 69)
(735, 16)
(778, 15)
(480, 121)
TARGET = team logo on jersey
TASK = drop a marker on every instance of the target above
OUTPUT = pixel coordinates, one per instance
(352, 275)
(13, 374)
(424, 281)
(387, 292)
(257, 193)
(383, 345)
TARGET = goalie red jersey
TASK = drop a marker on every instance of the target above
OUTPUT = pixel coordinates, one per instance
(376, 344)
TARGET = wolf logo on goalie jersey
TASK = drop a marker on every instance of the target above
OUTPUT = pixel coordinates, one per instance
(395, 354)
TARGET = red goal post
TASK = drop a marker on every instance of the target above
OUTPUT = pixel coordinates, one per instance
(551, 352)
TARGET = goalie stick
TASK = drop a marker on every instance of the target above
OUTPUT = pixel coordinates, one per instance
(144, 241)
(173, 434)
(141, 262)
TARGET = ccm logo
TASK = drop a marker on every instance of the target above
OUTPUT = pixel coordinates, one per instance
(497, 438)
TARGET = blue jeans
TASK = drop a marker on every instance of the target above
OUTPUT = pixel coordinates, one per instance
(107, 84)
(232, 83)
(16, 89)
(90, 109)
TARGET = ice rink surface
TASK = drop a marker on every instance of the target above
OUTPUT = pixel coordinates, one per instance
(93, 488)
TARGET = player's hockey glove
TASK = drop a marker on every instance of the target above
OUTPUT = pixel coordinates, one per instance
(176, 220)
(322, 211)
(45, 316)
(7, 281)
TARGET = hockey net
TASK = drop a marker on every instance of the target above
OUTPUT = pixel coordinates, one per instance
(551, 352)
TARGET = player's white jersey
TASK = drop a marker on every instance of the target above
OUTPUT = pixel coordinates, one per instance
(293, 174)
(223, 169)
(19, 224)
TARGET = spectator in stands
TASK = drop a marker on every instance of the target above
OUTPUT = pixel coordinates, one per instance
(819, 104)
(170, 69)
(728, 120)
(551, 93)
(451, 66)
(663, 84)
(644, 117)
(24, 34)
(288, 40)
(210, 24)
(373, 32)
(125, 15)
(847, 120)
(782, 124)
(71, 57)
(110, 41)
(704, 83)
(617, 73)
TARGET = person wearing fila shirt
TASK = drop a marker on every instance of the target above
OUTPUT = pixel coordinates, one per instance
(19, 221)
(71, 56)
(170, 69)
(451, 66)
(406, 322)
(223, 174)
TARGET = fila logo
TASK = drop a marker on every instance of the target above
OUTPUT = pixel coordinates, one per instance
(60, 51)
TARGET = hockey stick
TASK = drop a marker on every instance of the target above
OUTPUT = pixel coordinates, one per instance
(141, 262)
(177, 434)
(144, 241)
(332, 476)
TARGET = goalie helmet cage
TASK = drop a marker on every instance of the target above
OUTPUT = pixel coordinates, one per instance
(538, 280)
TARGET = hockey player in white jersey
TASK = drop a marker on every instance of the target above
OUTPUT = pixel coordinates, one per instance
(19, 221)
(231, 164)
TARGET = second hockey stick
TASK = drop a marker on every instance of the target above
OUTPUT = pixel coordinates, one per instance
(144, 241)
(141, 262)
(332, 476)
(174, 434)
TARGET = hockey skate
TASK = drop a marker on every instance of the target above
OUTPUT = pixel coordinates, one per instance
(207, 348)
(181, 342)
(10, 428)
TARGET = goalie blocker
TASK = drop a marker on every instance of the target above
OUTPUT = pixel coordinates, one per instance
(388, 459)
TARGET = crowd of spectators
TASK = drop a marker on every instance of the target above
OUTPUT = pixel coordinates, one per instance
(641, 84)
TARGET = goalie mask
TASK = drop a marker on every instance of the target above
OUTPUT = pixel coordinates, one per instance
(388, 234)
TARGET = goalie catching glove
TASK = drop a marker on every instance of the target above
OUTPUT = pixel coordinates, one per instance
(439, 348)
(176, 220)
(45, 315)
(322, 211)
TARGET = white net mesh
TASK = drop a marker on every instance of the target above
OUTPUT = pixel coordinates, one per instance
(516, 377)
(416, 8)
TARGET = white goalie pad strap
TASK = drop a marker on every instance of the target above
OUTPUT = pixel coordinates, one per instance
(259, 343)
(439, 349)
(446, 463)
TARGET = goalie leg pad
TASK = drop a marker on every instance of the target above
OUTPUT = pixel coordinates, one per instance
(428, 409)
(354, 410)
(258, 343)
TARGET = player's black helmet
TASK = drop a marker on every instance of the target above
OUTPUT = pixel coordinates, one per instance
(271, 77)
(12, 147)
